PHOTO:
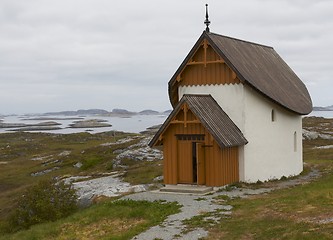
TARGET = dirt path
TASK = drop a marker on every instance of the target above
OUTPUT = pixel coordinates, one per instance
(193, 205)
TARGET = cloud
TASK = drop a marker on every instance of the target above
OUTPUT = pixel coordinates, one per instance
(123, 53)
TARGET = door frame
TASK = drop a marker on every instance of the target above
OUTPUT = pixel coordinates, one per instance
(195, 149)
(201, 163)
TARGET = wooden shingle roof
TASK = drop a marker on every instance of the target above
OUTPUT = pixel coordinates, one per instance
(211, 116)
(258, 66)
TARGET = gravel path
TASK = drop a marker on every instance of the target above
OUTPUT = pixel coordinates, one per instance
(172, 227)
(193, 205)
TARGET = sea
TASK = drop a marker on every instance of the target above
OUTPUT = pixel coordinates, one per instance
(325, 114)
(132, 124)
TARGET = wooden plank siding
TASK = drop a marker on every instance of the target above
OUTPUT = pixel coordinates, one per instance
(206, 67)
(184, 160)
(221, 165)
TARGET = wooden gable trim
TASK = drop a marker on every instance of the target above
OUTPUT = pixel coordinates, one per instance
(204, 44)
(172, 120)
(186, 121)
(204, 65)
(188, 61)
(209, 115)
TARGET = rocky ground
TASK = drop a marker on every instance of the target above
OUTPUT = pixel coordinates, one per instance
(212, 205)
(53, 125)
(317, 128)
(135, 148)
(111, 184)
(48, 125)
(90, 123)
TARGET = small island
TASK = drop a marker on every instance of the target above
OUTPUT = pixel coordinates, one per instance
(90, 123)
(42, 126)
(328, 108)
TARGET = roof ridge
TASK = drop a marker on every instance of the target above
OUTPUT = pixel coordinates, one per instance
(197, 95)
(241, 40)
(255, 65)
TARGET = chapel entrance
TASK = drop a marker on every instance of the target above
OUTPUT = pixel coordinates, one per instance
(190, 160)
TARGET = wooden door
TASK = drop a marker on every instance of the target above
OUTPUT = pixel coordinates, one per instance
(185, 161)
(201, 168)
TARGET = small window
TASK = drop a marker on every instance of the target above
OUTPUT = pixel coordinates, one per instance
(190, 137)
(295, 141)
(273, 115)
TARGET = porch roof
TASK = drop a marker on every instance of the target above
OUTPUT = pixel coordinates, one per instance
(211, 116)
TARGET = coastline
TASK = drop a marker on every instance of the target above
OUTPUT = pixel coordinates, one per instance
(75, 124)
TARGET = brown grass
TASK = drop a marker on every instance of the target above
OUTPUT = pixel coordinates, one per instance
(99, 229)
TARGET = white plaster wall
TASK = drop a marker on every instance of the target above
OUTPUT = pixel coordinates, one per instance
(270, 152)
(229, 96)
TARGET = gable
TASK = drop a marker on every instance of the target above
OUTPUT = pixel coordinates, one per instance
(206, 67)
(202, 66)
(203, 109)
(185, 116)
(256, 65)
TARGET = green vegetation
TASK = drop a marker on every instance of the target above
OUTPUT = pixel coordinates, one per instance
(23, 154)
(106, 220)
(142, 172)
(293, 213)
(24, 157)
(301, 212)
(46, 201)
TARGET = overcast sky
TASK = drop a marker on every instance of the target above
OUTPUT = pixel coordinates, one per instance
(80, 54)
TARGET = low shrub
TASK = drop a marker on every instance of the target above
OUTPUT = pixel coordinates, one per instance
(47, 201)
(91, 162)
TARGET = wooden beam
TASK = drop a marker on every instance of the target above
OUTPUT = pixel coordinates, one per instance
(233, 75)
(160, 138)
(185, 115)
(207, 145)
(178, 79)
(205, 46)
(203, 63)
(183, 122)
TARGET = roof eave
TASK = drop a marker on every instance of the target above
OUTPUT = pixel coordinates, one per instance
(278, 103)
(245, 81)
(182, 65)
(173, 95)
(164, 126)
(162, 129)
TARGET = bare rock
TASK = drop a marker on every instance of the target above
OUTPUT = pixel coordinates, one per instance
(78, 165)
(91, 123)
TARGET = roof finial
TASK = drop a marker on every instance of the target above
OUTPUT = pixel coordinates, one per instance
(207, 22)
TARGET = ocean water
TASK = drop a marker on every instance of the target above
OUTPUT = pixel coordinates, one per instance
(134, 124)
(325, 114)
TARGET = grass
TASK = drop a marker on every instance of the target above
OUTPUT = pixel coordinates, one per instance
(143, 172)
(107, 220)
(284, 214)
(293, 213)
(120, 219)
(18, 149)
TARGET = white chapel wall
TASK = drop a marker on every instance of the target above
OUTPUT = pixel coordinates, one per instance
(229, 96)
(270, 153)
